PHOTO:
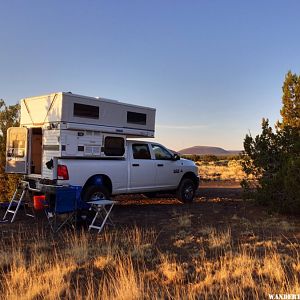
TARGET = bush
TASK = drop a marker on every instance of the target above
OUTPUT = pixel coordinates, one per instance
(273, 158)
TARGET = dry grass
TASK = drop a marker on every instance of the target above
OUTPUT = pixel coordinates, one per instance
(220, 239)
(184, 220)
(126, 264)
(221, 170)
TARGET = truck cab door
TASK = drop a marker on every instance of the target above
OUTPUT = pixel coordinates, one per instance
(142, 171)
(17, 150)
(168, 170)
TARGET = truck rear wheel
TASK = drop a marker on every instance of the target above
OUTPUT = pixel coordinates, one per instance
(186, 190)
(96, 192)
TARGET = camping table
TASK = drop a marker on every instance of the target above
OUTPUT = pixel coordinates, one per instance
(101, 212)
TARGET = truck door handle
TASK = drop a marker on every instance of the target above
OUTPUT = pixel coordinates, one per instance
(160, 165)
(135, 165)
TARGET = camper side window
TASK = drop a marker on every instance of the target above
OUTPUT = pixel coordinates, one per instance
(86, 111)
(136, 118)
(114, 146)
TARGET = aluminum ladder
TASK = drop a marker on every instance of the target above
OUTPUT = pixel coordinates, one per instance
(17, 200)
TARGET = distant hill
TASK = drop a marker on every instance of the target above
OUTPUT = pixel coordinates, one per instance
(207, 150)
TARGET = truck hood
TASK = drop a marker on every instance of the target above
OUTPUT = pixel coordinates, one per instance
(187, 162)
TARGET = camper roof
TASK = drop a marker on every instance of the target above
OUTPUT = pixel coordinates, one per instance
(87, 97)
(74, 111)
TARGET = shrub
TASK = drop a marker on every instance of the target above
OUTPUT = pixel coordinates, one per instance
(273, 157)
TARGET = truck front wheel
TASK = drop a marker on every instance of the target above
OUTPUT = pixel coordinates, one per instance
(96, 192)
(186, 191)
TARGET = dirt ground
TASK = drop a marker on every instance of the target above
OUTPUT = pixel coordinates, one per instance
(217, 205)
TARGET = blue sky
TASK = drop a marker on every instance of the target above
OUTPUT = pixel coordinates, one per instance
(212, 69)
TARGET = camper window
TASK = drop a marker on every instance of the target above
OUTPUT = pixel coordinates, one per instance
(86, 111)
(114, 146)
(17, 144)
(136, 118)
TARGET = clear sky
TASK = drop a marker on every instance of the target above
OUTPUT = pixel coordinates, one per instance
(212, 69)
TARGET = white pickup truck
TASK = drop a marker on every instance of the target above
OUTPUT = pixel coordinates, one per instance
(147, 168)
(126, 166)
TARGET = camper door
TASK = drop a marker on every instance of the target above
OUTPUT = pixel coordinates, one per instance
(16, 150)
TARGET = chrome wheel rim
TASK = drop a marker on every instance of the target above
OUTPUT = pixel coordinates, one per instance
(188, 192)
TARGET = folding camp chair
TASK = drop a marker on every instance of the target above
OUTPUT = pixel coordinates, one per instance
(102, 213)
(61, 208)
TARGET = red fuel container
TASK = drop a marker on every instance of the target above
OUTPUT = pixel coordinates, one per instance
(39, 202)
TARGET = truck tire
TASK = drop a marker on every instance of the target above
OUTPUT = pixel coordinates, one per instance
(96, 192)
(186, 191)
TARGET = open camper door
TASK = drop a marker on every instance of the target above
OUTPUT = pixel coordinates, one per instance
(17, 150)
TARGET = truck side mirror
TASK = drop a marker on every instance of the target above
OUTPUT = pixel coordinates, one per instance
(175, 157)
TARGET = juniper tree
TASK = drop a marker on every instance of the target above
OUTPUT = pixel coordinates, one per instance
(273, 156)
(290, 111)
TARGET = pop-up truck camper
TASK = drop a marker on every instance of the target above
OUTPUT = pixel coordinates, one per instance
(67, 125)
(71, 140)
